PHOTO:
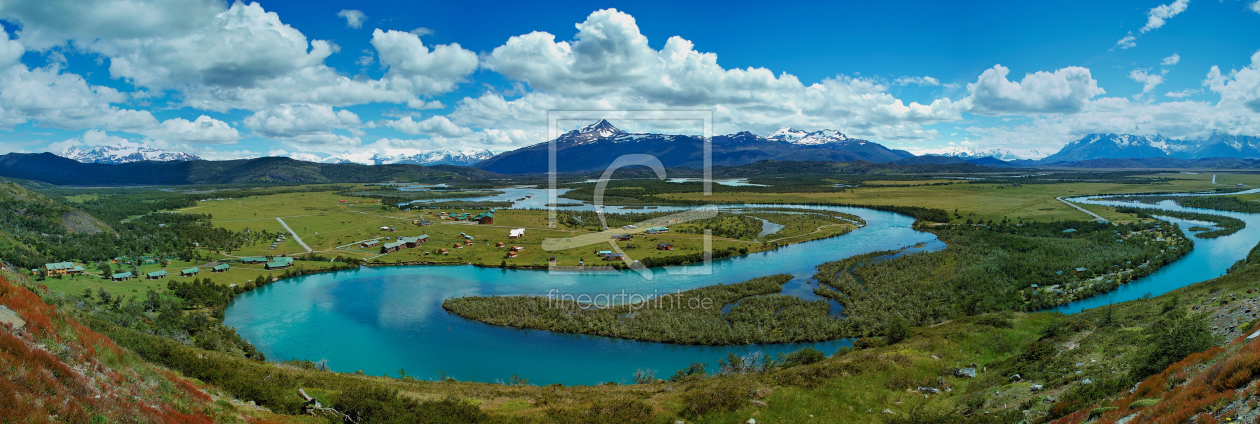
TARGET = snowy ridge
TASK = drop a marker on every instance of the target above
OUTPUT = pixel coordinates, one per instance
(975, 153)
(407, 156)
(125, 152)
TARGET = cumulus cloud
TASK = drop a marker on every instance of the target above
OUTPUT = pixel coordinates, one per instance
(305, 125)
(90, 138)
(354, 18)
(415, 68)
(609, 65)
(920, 81)
(1065, 90)
(1239, 89)
(437, 125)
(1159, 15)
(1255, 7)
(1127, 42)
(203, 130)
(1149, 81)
(1171, 60)
(49, 23)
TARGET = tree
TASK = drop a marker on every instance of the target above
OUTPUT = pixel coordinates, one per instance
(897, 330)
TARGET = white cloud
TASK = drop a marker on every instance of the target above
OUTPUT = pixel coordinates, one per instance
(1239, 89)
(1184, 93)
(437, 125)
(1149, 81)
(354, 17)
(413, 66)
(1255, 7)
(91, 138)
(1171, 60)
(305, 125)
(1065, 90)
(421, 31)
(609, 65)
(1159, 15)
(1127, 42)
(203, 130)
(49, 23)
(920, 81)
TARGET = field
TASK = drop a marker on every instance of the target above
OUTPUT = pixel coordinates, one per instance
(984, 202)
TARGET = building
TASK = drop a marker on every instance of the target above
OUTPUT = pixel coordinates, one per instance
(189, 271)
(622, 237)
(342, 201)
(516, 233)
(413, 241)
(657, 230)
(442, 251)
(370, 243)
(614, 256)
(1080, 269)
(220, 268)
(393, 246)
(254, 260)
(280, 262)
(156, 274)
(121, 276)
(484, 218)
(62, 268)
(511, 254)
(664, 246)
(499, 244)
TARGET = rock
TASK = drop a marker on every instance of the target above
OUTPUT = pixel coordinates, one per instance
(940, 381)
(1035, 388)
(965, 372)
(679, 422)
(1126, 420)
(7, 316)
(930, 390)
(1049, 399)
(889, 412)
(759, 403)
(1016, 378)
(1087, 381)
(751, 421)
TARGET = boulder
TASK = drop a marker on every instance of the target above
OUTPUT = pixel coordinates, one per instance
(1016, 378)
(965, 373)
(1035, 388)
(929, 390)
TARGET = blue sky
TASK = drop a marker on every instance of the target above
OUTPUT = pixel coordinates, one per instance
(318, 79)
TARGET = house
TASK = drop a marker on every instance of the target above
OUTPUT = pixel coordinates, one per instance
(442, 251)
(342, 201)
(657, 230)
(516, 233)
(552, 259)
(254, 260)
(468, 242)
(458, 245)
(1080, 269)
(156, 275)
(62, 268)
(189, 271)
(603, 252)
(280, 262)
(614, 256)
(622, 237)
(499, 244)
(392, 246)
(370, 243)
(484, 218)
(121, 276)
(220, 268)
(511, 254)
(518, 248)
(664, 246)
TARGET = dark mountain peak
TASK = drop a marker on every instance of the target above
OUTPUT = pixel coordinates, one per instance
(602, 127)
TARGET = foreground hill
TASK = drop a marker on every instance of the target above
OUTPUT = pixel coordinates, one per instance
(595, 147)
(51, 168)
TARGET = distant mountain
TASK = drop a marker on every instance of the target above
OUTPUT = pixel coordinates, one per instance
(414, 157)
(975, 153)
(947, 160)
(123, 153)
(595, 146)
(1163, 163)
(1120, 146)
(54, 169)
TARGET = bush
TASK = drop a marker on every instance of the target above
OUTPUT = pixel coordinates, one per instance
(717, 395)
(897, 330)
(804, 356)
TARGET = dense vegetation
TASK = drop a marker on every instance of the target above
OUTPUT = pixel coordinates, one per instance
(990, 268)
(1225, 225)
(1220, 203)
(756, 315)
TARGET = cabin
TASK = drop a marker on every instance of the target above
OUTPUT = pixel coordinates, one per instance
(1080, 269)
(603, 252)
(664, 246)
(189, 271)
(518, 248)
(422, 222)
(121, 276)
(62, 268)
(342, 201)
(279, 263)
(516, 233)
(657, 230)
(468, 242)
(392, 246)
(484, 218)
(220, 268)
(443, 251)
(622, 237)
(458, 245)
(254, 260)
(552, 259)
(511, 254)
(155, 275)
(614, 256)
(499, 244)
(370, 243)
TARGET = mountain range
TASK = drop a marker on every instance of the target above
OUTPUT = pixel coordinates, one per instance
(410, 157)
(1129, 146)
(125, 152)
(595, 146)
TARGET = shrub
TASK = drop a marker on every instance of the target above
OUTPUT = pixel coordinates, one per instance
(717, 395)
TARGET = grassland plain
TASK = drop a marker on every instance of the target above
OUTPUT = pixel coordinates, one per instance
(984, 202)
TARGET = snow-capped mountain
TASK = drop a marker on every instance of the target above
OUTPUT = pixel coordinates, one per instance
(966, 152)
(412, 157)
(1115, 146)
(596, 146)
(123, 153)
(796, 136)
